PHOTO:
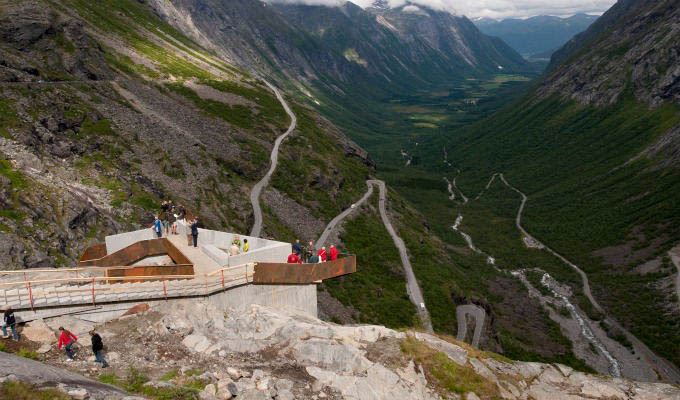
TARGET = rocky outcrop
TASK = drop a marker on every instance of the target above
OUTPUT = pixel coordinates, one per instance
(265, 353)
(45, 376)
(340, 359)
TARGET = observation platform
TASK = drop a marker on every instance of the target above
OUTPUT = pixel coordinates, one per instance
(137, 266)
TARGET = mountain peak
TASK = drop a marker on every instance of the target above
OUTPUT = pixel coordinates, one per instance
(381, 5)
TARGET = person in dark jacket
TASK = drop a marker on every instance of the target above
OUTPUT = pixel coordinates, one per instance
(9, 321)
(194, 231)
(98, 349)
(297, 247)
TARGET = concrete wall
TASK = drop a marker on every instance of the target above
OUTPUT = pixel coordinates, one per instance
(261, 250)
(301, 297)
(122, 240)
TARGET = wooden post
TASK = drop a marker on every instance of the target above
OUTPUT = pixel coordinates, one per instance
(30, 294)
(93, 300)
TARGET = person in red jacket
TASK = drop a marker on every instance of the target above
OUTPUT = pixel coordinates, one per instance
(334, 253)
(67, 339)
(322, 254)
(294, 259)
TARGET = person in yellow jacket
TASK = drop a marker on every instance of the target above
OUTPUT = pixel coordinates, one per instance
(246, 245)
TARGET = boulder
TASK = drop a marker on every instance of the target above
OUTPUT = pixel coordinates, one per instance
(159, 384)
(224, 395)
(45, 348)
(38, 331)
(196, 342)
(78, 394)
(210, 389)
(234, 373)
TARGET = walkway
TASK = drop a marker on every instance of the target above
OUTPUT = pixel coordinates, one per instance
(202, 263)
(257, 189)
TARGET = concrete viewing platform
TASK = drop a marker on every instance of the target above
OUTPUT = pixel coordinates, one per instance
(138, 266)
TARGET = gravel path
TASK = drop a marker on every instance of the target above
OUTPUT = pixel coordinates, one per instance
(257, 189)
(667, 371)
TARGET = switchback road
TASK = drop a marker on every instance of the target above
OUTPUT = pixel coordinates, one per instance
(257, 189)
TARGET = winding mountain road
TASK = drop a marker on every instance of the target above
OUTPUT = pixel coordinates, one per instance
(674, 254)
(335, 221)
(665, 369)
(412, 286)
(461, 316)
(257, 189)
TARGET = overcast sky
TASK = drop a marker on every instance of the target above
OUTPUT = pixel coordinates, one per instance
(492, 8)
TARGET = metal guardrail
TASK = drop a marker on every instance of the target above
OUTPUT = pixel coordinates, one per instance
(202, 284)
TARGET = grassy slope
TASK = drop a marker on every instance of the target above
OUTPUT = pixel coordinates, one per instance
(377, 290)
(267, 116)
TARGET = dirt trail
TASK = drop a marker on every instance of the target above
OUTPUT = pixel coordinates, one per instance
(667, 371)
(257, 189)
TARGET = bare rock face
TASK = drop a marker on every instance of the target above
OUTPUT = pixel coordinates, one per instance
(339, 359)
(639, 52)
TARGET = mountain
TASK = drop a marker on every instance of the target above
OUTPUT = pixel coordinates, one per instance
(538, 36)
(594, 146)
(106, 111)
(343, 50)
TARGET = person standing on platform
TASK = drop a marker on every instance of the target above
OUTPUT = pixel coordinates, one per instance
(333, 253)
(322, 253)
(294, 259)
(194, 231)
(297, 247)
(157, 227)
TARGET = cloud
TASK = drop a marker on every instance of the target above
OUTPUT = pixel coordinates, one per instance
(487, 8)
